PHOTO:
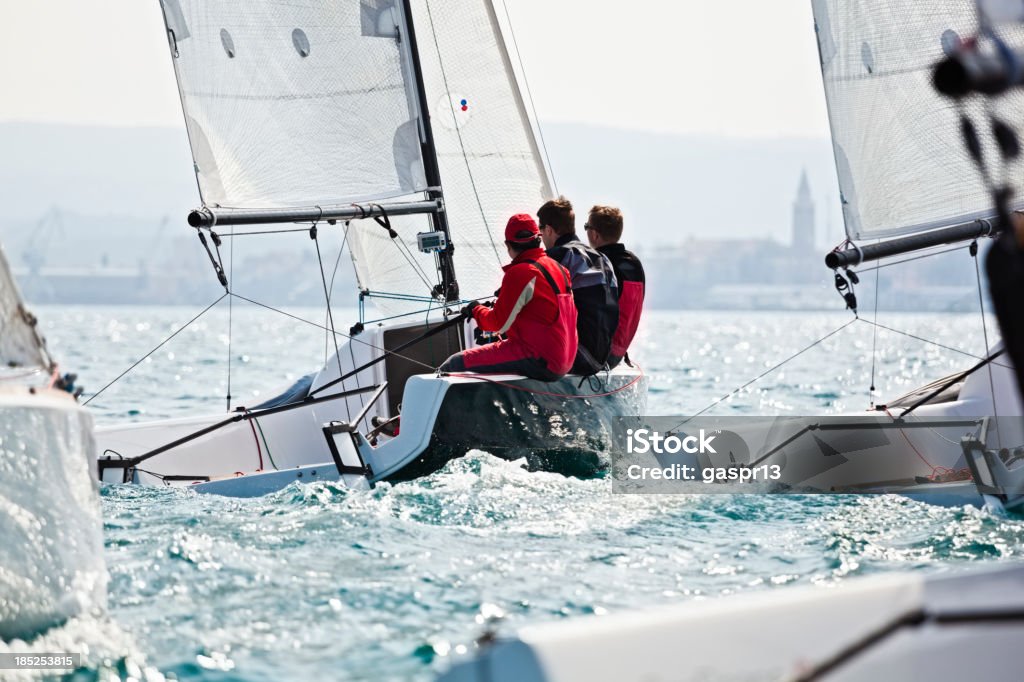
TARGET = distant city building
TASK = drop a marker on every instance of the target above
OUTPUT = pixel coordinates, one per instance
(804, 228)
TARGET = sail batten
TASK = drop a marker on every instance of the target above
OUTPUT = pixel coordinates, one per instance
(900, 159)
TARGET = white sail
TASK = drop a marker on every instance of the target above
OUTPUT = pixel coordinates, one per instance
(490, 163)
(20, 344)
(901, 160)
(295, 103)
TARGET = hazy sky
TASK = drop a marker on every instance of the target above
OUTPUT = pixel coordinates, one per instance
(745, 68)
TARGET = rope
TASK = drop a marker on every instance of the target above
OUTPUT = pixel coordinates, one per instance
(334, 273)
(265, 445)
(874, 347)
(768, 371)
(231, 301)
(259, 450)
(158, 347)
(928, 341)
(355, 339)
(504, 384)
(984, 330)
(330, 314)
(939, 474)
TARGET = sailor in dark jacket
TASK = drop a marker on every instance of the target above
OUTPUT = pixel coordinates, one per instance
(593, 285)
(604, 230)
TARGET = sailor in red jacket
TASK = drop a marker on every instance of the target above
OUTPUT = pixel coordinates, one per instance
(534, 312)
(604, 230)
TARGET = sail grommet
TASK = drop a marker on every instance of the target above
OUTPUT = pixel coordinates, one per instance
(301, 42)
(228, 43)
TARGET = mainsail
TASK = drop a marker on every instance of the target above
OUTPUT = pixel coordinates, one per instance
(295, 103)
(300, 103)
(902, 165)
(20, 344)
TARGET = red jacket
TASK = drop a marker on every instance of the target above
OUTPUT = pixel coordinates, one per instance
(535, 310)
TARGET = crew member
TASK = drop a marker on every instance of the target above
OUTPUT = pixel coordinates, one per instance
(534, 311)
(604, 230)
(593, 285)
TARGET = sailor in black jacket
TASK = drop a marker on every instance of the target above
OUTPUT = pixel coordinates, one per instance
(594, 286)
(604, 230)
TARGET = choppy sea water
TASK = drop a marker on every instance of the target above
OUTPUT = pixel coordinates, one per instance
(317, 581)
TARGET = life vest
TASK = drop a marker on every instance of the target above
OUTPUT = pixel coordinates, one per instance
(632, 288)
(595, 291)
(536, 313)
(563, 331)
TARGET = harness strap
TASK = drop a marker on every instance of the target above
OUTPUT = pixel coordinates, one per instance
(549, 278)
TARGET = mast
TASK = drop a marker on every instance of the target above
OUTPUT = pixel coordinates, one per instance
(449, 287)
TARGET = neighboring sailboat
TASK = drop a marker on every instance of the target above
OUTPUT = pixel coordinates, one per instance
(907, 184)
(419, 142)
(51, 532)
(909, 626)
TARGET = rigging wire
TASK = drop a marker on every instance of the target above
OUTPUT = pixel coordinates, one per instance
(158, 347)
(403, 249)
(984, 330)
(231, 301)
(334, 273)
(874, 347)
(354, 339)
(330, 315)
(768, 371)
(928, 341)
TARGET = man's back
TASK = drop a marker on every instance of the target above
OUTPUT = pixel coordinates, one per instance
(632, 288)
(595, 290)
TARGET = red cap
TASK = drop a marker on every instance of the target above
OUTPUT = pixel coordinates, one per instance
(521, 229)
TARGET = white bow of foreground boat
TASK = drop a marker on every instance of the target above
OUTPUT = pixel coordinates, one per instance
(907, 627)
(51, 557)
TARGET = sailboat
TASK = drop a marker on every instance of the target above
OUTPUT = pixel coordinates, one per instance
(401, 123)
(908, 185)
(51, 553)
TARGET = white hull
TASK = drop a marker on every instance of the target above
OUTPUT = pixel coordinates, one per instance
(255, 455)
(909, 627)
(921, 456)
(51, 554)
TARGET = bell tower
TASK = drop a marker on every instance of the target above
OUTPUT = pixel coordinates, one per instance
(803, 216)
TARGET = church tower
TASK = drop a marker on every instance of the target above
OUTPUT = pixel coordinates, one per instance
(803, 216)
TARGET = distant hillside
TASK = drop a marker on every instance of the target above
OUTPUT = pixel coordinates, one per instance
(117, 197)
